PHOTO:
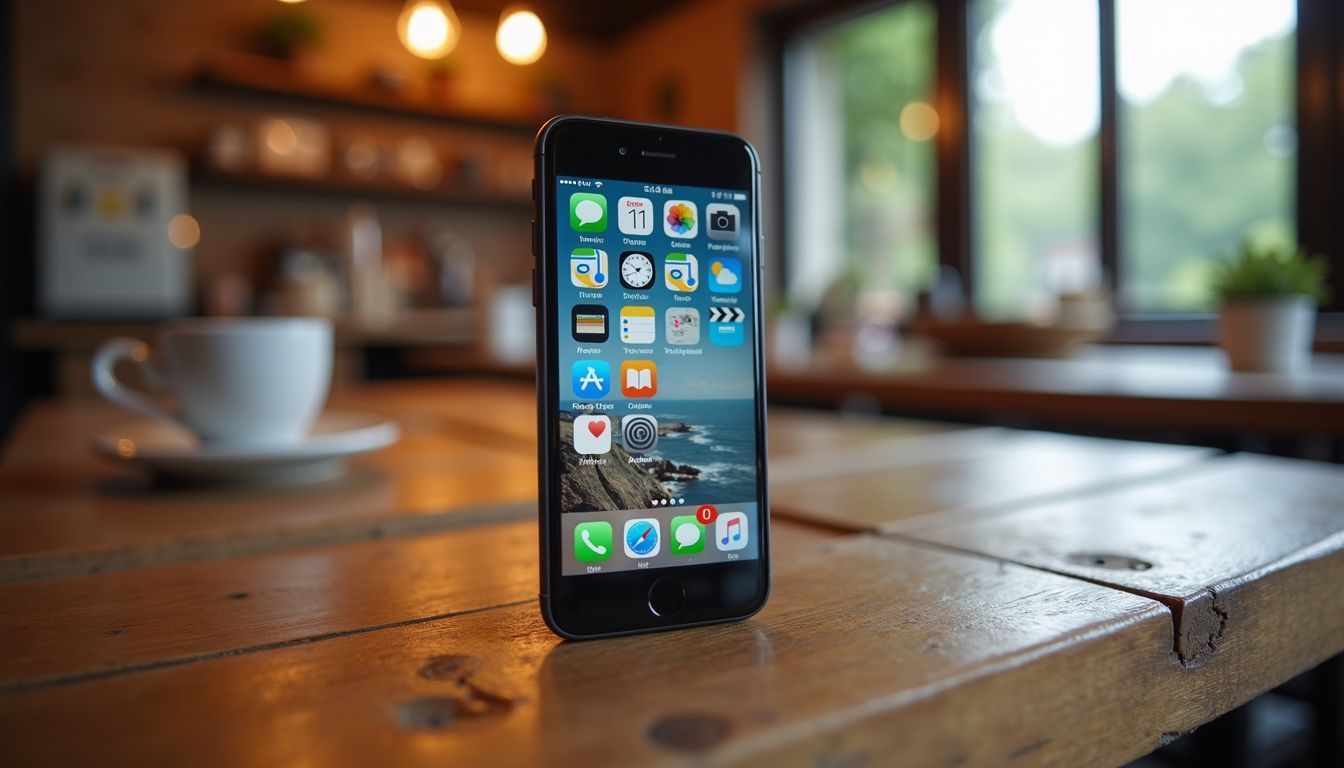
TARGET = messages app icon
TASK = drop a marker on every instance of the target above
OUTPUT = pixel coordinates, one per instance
(688, 535)
(587, 212)
(681, 272)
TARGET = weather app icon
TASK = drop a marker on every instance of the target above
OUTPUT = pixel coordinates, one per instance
(591, 379)
(725, 275)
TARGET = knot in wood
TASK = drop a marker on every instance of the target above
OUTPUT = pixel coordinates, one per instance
(689, 732)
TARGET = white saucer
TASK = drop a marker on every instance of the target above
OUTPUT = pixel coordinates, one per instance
(171, 452)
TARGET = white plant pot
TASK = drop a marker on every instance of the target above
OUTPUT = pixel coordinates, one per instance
(1268, 335)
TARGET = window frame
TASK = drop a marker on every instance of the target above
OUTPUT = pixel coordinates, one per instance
(1320, 164)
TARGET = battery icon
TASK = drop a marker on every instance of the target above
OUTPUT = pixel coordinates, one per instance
(739, 195)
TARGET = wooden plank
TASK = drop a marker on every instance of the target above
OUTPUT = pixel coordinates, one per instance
(1113, 386)
(66, 512)
(71, 629)
(965, 475)
(870, 650)
(1248, 551)
(467, 454)
(795, 432)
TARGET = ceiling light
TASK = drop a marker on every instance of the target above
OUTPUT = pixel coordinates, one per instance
(521, 38)
(428, 29)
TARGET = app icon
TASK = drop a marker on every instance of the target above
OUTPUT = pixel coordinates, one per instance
(639, 325)
(590, 323)
(681, 325)
(592, 542)
(688, 535)
(639, 432)
(636, 270)
(639, 378)
(587, 212)
(681, 272)
(725, 275)
(679, 219)
(641, 538)
(591, 379)
(721, 221)
(592, 434)
(730, 531)
(634, 215)
(588, 268)
(726, 326)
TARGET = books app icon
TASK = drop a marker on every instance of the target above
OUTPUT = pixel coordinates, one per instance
(639, 378)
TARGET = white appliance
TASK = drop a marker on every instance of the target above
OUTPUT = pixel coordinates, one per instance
(104, 231)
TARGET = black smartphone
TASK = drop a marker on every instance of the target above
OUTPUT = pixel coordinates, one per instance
(650, 386)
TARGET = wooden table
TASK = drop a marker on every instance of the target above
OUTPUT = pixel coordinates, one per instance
(1155, 389)
(942, 596)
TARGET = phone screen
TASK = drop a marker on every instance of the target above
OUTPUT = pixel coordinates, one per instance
(657, 435)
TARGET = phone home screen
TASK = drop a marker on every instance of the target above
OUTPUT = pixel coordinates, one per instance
(657, 382)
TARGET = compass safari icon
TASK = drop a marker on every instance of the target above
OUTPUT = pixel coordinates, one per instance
(642, 539)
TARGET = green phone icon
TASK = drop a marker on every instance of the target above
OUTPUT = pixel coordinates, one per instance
(688, 535)
(592, 542)
(587, 212)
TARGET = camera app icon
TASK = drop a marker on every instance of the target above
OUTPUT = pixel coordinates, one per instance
(722, 221)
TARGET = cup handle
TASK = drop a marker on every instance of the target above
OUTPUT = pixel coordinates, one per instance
(109, 386)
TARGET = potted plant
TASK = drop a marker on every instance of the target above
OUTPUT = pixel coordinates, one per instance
(1267, 311)
(289, 34)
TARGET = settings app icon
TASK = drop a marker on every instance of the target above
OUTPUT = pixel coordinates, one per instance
(639, 433)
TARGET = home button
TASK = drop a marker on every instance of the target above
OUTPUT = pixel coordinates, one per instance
(666, 596)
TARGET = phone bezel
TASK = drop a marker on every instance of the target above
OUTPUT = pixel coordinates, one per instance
(599, 605)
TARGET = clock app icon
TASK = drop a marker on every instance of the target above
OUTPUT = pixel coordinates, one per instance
(636, 270)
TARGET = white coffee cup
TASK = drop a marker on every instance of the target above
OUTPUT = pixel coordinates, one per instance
(242, 382)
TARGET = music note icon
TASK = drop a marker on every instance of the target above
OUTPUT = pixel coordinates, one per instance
(730, 531)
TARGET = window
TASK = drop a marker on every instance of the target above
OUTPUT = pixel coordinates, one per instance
(860, 157)
(1116, 143)
(1035, 114)
(1208, 140)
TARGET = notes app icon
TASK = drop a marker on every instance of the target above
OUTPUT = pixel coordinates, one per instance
(639, 378)
(638, 325)
(730, 531)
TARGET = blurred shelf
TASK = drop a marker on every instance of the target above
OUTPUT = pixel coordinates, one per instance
(260, 77)
(410, 328)
(343, 186)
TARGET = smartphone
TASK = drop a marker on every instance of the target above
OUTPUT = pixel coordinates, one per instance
(650, 386)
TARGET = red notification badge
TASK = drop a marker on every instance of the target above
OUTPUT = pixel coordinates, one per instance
(706, 514)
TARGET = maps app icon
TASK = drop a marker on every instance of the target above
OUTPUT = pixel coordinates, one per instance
(588, 268)
(681, 272)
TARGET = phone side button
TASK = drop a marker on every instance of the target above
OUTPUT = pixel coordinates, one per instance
(666, 596)
(534, 286)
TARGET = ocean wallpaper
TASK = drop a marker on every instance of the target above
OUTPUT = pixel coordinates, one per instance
(655, 287)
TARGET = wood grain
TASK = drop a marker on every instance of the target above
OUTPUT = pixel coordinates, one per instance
(1236, 541)
(871, 651)
(965, 475)
(467, 455)
(80, 628)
